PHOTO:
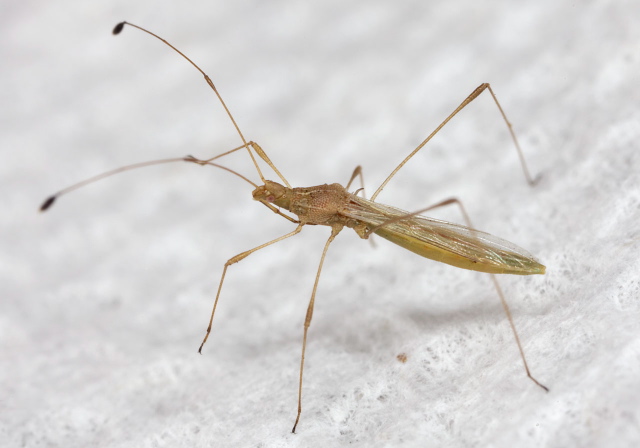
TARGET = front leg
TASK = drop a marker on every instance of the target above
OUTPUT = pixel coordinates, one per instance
(307, 320)
(234, 260)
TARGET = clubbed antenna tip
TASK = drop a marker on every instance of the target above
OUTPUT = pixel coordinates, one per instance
(47, 203)
(118, 28)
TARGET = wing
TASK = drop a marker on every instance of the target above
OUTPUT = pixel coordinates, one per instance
(444, 241)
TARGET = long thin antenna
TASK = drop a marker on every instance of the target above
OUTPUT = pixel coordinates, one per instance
(118, 28)
(51, 199)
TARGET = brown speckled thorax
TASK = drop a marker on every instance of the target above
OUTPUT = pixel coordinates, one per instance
(319, 205)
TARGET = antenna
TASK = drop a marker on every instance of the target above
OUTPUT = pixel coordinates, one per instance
(118, 29)
(51, 199)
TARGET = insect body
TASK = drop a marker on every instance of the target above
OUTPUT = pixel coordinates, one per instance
(460, 246)
(333, 206)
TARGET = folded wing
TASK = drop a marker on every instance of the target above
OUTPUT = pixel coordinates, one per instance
(443, 241)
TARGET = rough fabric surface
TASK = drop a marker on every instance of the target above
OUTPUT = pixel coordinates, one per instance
(106, 297)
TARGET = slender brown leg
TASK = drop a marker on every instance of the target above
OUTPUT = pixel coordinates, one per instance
(494, 279)
(263, 155)
(515, 332)
(204, 161)
(481, 88)
(357, 172)
(503, 300)
(234, 260)
(307, 321)
(419, 212)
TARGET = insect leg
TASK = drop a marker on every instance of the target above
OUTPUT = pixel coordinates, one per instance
(258, 149)
(223, 154)
(505, 306)
(234, 260)
(419, 212)
(494, 279)
(357, 172)
(481, 88)
(307, 320)
(263, 155)
(118, 29)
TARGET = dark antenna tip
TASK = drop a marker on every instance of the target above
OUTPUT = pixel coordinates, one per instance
(48, 203)
(118, 28)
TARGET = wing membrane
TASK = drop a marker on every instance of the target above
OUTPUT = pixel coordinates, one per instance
(428, 236)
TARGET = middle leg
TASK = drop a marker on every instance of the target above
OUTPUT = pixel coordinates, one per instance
(307, 320)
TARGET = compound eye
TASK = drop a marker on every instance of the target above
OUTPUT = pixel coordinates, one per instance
(270, 198)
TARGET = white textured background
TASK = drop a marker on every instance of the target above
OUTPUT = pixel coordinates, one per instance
(105, 298)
